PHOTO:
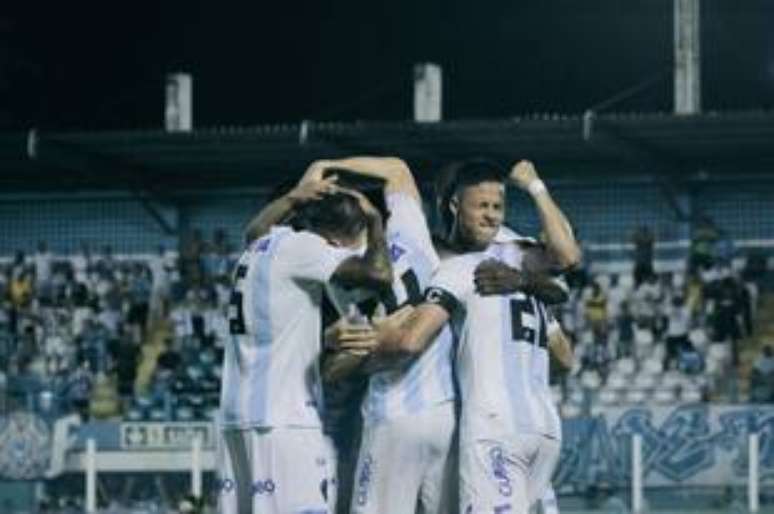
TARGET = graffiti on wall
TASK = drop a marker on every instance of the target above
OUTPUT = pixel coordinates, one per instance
(686, 445)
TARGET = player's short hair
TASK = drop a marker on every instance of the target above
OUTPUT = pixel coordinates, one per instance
(460, 175)
(371, 187)
(338, 214)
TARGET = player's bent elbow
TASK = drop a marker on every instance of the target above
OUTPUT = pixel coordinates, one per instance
(570, 258)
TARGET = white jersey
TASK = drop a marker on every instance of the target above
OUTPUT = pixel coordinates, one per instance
(427, 380)
(271, 374)
(502, 361)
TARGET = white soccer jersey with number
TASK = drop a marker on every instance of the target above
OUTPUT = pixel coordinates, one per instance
(271, 373)
(427, 380)
(502, 360)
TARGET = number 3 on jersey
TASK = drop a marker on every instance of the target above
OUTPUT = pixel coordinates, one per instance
(528, 322)
(236, 313)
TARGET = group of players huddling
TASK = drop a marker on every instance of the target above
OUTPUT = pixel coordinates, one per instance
(443, 345)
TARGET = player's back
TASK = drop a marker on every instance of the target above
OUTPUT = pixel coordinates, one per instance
(271, 372)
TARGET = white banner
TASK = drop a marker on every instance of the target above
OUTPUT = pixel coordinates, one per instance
(165, 436)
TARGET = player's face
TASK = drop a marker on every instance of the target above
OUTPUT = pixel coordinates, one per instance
(359, 241)
(480, 213)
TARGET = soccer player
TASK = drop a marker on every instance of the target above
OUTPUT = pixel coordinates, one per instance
(405, 459)
(509, 427)
(274, 457)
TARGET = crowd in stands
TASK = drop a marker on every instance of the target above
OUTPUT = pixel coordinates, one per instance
(142, 337)
(136, 337)
(670, 336)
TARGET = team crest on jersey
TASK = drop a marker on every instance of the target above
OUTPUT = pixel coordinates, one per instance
(396, 251)
(263, 244)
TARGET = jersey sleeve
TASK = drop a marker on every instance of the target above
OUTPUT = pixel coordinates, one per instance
(307, 256)
(408, 219)
(451, 285)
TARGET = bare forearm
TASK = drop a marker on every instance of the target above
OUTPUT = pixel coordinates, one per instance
(559, 236)
(392, 170)
(561, 349)
(275, 212)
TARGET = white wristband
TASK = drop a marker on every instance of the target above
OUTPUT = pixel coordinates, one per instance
(537, 187)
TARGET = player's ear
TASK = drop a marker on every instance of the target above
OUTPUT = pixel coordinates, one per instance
(454, 205)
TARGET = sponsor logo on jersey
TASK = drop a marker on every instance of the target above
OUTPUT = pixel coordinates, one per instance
(364, 480)
(396, 251)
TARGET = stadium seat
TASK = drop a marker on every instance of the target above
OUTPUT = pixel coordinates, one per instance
(591, 380)
(576, 397)
(653, 366)
(635, 396)
(698, 337)
(626, 366)
(570, 410)
(719, 352)
(671, 379)
(691, 395)
(556, 394)
(626, 281)
(643, 337)
(664, 396)
(608, 397)
(617, 380)
(645, 380)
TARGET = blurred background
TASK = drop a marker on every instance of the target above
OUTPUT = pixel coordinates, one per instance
(137, 140)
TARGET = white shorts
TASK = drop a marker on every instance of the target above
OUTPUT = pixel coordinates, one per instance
(408, 462)
(505, 474)
(274, 471)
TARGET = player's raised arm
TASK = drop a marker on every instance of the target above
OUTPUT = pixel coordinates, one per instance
(493, 277)
(312, 186)
(373, 268)
(394, 171)
(560, 238)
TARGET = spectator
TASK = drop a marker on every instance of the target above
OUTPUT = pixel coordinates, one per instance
(139, 298)
(690, 360)
(643, 240)
(645, 300)
(678, 327)
(597, 357)
(596, 308)
(728, 305)
(43, 264)
(126, 355)
(625, 324)
(762, 377)
(705, 235)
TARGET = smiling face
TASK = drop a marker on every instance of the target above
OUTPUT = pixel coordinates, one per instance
(480, 211)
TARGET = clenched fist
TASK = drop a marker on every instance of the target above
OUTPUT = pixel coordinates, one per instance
(523, 174)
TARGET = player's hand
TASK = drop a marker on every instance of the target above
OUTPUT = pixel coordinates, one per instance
(315, 171)
(493, 277)
(371, 212)
(523, 174)
(355, 339)
(310, 190)
(387, 328)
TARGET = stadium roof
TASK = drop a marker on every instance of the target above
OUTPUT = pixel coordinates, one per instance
(619, 144)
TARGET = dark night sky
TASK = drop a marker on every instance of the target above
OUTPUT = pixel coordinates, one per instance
(100, 65)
